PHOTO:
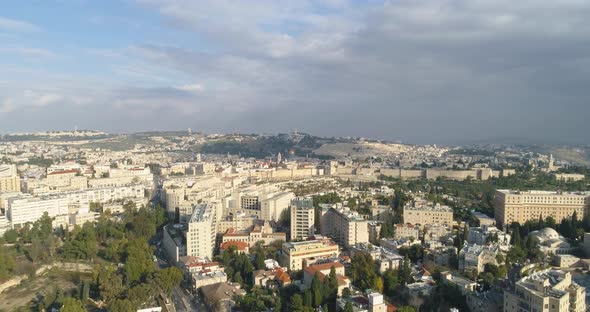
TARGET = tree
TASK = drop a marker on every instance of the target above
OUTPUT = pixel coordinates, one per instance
(297, 303)
(122, 305)
(110, 284)
(406, 309)
(11, 236)
(139, 262)
(259, 258)
(405, 272)
(238, 278)
(168, 278)
(72, 305)
(35, 251)
(316, 289)
(378, 284)
(346, 292)
(348, 307)
(85, 293)
(516, 239)
(391, 282)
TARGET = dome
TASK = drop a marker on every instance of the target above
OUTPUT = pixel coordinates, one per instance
(549, 233)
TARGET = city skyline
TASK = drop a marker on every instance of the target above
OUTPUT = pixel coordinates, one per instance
(452, 72)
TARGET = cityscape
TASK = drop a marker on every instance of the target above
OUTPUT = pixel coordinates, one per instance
(187, 221)
(305, 156)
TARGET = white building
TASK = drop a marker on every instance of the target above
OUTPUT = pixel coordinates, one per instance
(201, 233)
(344, 226)
(302, 218)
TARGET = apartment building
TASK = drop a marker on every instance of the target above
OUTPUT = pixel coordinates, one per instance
(473, 258)
(27, 208)
(302, 218)
(408, 231)
(344, 226)
(266, 201)
(424, 212)
(520, 206)
(546, 291)
(9, 179)
(202, 230)
(297, 255)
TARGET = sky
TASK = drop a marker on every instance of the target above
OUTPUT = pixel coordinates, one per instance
(428, 71)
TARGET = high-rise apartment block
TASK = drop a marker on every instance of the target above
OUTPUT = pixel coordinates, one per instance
(520, 206)
(344, 226)
(201, 231)
(302, 218)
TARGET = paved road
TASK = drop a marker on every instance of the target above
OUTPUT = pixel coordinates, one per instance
(184, 301)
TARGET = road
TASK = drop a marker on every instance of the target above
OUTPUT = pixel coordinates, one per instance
(185, 302)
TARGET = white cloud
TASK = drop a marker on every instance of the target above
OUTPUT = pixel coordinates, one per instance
(28, 52)
(195, 87)
(16, 25)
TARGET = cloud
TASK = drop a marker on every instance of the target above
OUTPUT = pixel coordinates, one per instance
(195, 87)
(412, 68)
(16, 25)
(428, 71)
(28, 52)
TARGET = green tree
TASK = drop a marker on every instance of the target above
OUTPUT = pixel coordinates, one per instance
(390, 279)
(11, 236)
(122, 305)
(72, 305)
(316, 289)
(348, 307)
(168, 278)
(405, 272)
(259, 257)
(110, 284)
(297, 303)
(139, 263)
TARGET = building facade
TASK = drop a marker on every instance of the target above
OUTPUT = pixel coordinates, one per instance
(519, 206)
(546, 291)
(302, 218)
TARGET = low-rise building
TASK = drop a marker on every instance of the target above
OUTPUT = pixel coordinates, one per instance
(407, 230)
(548, 290)
(465, 285)
(551, 242)
(473, 258)
(271, 279)
(297, 255)
(423, 212)
(488, 234)
(258, 233)
(220, 296)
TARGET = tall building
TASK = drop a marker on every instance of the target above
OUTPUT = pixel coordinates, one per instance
(9, 180)
(545, 291)
(520, 206)
(302, 218)
(201, 231)
(344, 226)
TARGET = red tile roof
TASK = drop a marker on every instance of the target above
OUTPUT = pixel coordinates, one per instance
(239, 245)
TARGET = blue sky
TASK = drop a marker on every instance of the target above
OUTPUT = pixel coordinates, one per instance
(431, 71)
